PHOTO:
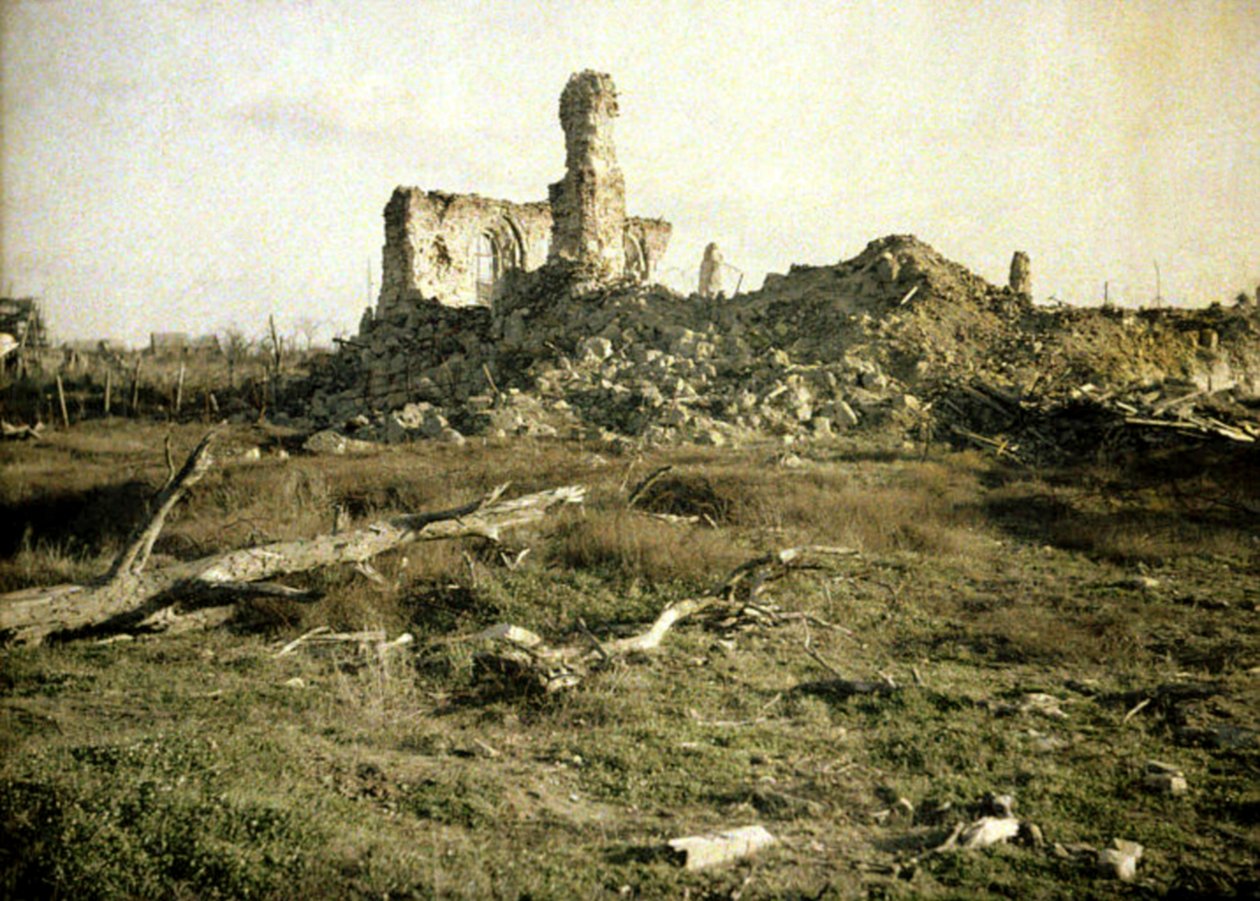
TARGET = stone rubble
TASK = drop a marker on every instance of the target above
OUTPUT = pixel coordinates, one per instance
(898, 338)
(816, 353)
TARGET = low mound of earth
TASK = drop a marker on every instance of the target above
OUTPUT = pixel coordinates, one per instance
(867, 344)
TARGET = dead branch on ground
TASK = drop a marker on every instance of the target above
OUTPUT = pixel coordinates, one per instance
(523, 659)
(203, 592)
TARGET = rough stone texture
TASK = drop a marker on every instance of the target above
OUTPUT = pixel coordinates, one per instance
(589, 204)
(822, 350)
(711, 272)
(567, 349)
(646, 241)
(1021, 274)
(431, 245)
(463, 250)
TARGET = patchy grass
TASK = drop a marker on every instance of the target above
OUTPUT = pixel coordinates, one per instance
(205, 766)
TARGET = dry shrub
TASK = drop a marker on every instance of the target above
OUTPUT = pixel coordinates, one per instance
(928, 507)
(632, 545)
(1104, 514)
(1027, 633)
(48, 563)
(351, 603)
(1127, 539)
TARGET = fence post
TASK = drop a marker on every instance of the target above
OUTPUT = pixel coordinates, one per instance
(179, 388)
(135, 387)
(61, 401)
(109, 384)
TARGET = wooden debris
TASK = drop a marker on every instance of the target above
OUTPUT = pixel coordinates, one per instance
(736, 724)
(640, 489)
(1058, 422)
(1136, 709)
(10, 432)
(130, 596)
(367, 640)
(673, 519)
(699, 852)
(976, 835)
(514, 634)
(988, 831)
(520, 654)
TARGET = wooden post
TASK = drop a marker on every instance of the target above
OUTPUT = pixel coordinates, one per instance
(179, 388)
(135, 387)
(274, 383)
(109, 385)
(61, 401)
(262, 397)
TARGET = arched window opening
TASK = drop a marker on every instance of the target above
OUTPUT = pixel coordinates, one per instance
(636, 259)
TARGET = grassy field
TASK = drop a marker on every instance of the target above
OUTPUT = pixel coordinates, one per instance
(1048, 632)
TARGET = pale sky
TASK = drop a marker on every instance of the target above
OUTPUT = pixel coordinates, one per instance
(185, 166)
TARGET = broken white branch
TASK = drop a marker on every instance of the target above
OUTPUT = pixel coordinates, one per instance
(526, 654)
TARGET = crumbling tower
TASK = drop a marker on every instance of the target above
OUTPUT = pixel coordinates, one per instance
(588, 206)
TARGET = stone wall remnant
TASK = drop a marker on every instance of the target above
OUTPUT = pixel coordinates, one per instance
(463, 250)
(457, 249)
(1021, 274)
(588, 206)
(711, 271)
(646, 241)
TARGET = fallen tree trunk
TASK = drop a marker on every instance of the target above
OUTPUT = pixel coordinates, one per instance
(130, 596)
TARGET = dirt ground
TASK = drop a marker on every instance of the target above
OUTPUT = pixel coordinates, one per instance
(1041, 633)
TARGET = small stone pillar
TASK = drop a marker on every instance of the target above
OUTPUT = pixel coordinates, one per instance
(588, 206)
(1021, 274)
(711, 271)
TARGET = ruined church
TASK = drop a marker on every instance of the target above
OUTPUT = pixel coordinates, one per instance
(463, 250)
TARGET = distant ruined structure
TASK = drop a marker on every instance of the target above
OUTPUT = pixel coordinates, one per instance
(1020, 281)
(711, 272)
(463, 250)
(497, 318)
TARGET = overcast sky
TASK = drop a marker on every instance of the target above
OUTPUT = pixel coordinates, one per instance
(195, 164)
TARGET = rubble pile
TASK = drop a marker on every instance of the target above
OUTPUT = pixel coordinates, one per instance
(896, 338)
(474, 335)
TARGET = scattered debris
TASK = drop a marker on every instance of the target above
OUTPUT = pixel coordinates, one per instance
(373, 640)
(10, 432)
(1165, 778)
(522, 658)
(1136, 709)
(699, 852)
(1032, 702)
(1120, 860)
(328, 441)
(988, 831)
